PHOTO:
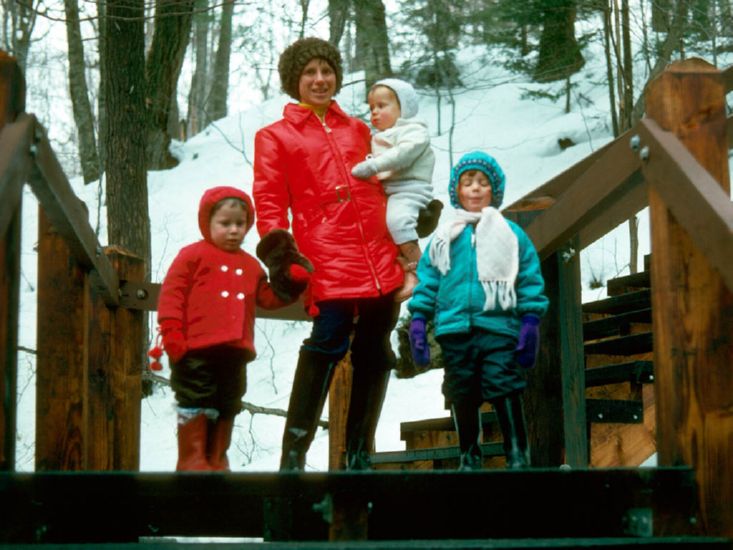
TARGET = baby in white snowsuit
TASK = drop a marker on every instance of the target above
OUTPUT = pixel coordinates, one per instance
(403, 160)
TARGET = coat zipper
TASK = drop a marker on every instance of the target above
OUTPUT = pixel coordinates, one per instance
(338, 156)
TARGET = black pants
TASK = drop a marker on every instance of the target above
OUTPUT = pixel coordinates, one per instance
(370, 347)
(480, 366)
(211, 378)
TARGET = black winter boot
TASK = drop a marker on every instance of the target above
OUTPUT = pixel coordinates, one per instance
(367, 395)
(467, 418)
(428, 218)
(511, 419)
(310, 388)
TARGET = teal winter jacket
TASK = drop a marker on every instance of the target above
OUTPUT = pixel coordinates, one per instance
(455, 301)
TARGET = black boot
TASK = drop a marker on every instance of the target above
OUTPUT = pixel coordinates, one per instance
(367, 395)
(428, 217)
(511, 419)
(310, 388)
(467, 418)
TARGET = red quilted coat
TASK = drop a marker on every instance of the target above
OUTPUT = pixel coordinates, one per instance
(212, 292)
(338, 221)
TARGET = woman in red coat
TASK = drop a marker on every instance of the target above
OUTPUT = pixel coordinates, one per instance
(303, 182)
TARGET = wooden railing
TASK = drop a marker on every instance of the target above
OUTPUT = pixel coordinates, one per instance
(674, 161)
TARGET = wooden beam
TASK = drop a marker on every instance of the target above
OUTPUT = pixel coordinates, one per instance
(607, 179)
(60, 354)
(616, 211)
(692, 306)
(15, 166)
(113, 378)
(696, 200)
(12, 89)
(556, 186)
(555, 396)
(727, 76)
(68, 215)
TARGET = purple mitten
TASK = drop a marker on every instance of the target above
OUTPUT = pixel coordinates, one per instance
(419, 342)
(529, 340)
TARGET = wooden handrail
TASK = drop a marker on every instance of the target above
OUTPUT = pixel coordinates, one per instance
(603, 184)
(697, 201)
(69, 216)
(15, 165)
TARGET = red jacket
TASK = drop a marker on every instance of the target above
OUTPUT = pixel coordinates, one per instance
(338, 221)
(212, 292)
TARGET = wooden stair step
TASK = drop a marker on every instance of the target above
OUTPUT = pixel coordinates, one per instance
(627, 283)
(637, 372)
(443, 424)
(616, 325)
(95, 507)
(433, 453)
(600, 543)
(631, 344)
(631, 301)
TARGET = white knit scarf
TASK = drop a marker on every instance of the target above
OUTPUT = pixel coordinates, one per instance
(497, 253)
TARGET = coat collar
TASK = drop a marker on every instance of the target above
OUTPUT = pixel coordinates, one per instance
(296, 114)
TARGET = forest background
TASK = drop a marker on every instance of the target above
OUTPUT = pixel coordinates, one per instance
(123, 85)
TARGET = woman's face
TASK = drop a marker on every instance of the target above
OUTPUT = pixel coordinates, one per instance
(317, 83)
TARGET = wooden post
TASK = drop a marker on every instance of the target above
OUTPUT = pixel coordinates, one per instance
(12, 103)
(339, 395)
(349, 516)
(115, 361)
(692, 308)
(555, 396)
(60, 373)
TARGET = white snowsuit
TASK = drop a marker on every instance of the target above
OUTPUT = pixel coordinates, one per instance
(405, 162)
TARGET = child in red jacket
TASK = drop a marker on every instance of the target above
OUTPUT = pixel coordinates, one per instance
(206, 313)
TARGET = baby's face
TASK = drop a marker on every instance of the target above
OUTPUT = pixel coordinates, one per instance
(474, 191)
(384, 106)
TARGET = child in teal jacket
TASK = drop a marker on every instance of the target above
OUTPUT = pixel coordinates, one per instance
(480, 283)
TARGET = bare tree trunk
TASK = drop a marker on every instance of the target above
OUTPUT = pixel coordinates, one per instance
(197, 119)
(628, 67)
(725, 17)
(163, 66)
(80, 95)
(338, 14)
(124, 90)
(372, 41)
(559, 55)
(627, 106)
(220, 78)
(609, 66)
(671, 42)
(22, 20)
(662, 15)
(101, 97)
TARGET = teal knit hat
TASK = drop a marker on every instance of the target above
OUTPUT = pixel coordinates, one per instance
(478, 160)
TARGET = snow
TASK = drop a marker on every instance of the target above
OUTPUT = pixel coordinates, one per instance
(493, 113)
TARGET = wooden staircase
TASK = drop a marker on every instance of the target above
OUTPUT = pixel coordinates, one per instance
(619, 393)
